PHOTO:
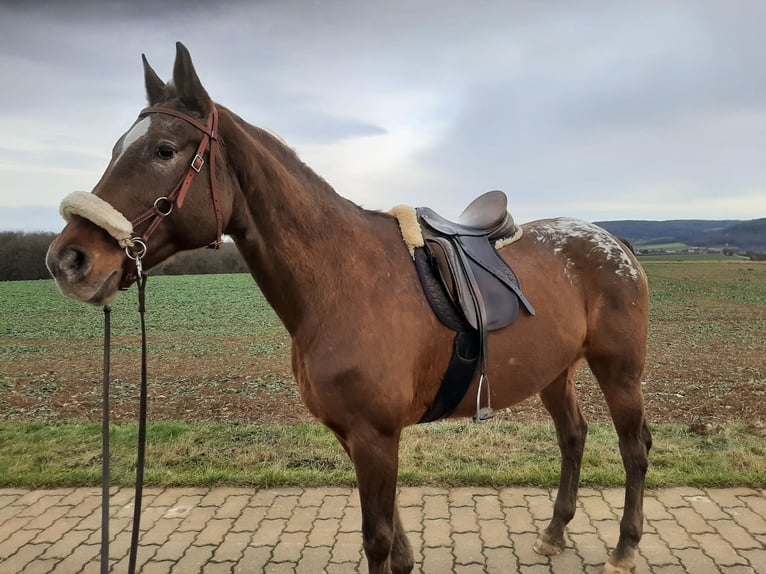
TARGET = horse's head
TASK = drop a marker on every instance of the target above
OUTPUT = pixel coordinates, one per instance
(158, 195)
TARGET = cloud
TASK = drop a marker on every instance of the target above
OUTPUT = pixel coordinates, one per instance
(596, 110)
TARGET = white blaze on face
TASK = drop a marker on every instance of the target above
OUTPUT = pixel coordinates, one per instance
(135, 134)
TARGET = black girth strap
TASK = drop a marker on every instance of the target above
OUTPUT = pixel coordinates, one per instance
(465, 355)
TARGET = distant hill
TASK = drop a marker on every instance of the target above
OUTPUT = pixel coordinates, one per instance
(744, 235)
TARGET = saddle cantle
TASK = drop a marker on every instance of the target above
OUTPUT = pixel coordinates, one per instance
(486, 215)
(470, 288)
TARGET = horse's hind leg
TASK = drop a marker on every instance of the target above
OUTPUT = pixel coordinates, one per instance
(376, 460)
(620, 380)
(560, 400)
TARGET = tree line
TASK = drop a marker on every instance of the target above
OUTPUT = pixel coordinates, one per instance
(22, 257)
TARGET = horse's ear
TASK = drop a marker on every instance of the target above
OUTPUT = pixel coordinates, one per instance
(188, 86)
(155, 87)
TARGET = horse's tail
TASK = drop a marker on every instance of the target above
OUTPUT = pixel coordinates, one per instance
(627, 244)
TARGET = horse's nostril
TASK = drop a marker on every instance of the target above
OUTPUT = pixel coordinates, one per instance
(74, 262)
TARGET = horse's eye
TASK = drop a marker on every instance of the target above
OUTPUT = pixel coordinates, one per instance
(165, 151)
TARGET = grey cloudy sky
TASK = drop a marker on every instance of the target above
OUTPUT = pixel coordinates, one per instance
(598, 110)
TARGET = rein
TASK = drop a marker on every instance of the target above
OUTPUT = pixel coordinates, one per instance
(105, 451)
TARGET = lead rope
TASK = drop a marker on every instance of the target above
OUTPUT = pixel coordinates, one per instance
(140, 459)
(105, 444)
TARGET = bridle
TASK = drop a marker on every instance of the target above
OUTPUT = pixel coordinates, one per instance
(163, 206)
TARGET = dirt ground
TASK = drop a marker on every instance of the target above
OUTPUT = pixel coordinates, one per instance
(702, 388)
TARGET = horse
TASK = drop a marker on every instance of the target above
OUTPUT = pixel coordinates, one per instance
(368, 353)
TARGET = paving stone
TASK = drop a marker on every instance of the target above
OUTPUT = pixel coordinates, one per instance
(488, 507)
(352, 519)
(728, 498)
(692, 522)
(332, 506)
(411, 517)
(176, 546)
(347, 548)
(411, 496)
(464, 530)
(719, 550)
(750, 520)
(467, 548)
(193, 560)
(232, 547)
(695, 560)
(494, 533)
(437, 532)
(289, 547)
(254, 559)
(219, 567)
(268, 532)
(673, 534)
(232, 506)
(463, 519)
(437, 560)
(735, 534)
(314, 560)
(21, 560)
(283, 507)
(436, 506)
(303, 518)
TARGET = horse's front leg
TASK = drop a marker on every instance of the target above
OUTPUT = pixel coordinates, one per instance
(376, 460)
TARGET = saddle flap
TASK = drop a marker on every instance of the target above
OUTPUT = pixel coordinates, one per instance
(451, 271)
(469, 284)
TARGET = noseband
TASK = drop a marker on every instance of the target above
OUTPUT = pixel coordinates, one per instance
(163, 206)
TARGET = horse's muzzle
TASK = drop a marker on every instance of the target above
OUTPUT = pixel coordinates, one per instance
(88, 268)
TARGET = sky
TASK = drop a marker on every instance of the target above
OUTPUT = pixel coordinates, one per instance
(598, 110)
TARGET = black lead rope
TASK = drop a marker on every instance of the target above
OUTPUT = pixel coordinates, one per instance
(141, 432)
(141, 439)
(105, 444)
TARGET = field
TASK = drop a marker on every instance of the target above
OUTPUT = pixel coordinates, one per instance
(218, 352)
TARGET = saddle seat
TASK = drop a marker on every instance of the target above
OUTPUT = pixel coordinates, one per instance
(486, 215)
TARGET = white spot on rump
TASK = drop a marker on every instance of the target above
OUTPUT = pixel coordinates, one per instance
(558, 233)
(135, 133)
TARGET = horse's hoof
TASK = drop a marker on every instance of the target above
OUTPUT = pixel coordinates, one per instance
(614, 569)
(546, 548)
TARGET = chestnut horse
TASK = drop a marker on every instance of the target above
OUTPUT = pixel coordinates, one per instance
(368, 353)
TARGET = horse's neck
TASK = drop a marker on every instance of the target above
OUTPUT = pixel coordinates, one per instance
(298, 235)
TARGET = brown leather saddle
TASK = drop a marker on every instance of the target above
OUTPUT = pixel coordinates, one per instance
(470, 288)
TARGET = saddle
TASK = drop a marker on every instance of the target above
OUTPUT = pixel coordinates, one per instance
(471, 289)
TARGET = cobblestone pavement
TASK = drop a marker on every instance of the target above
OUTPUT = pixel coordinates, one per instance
(303, 530)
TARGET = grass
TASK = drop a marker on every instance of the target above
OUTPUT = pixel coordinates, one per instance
(197, 316)
(36, 455)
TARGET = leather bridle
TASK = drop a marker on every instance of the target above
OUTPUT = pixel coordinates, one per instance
(163, 206)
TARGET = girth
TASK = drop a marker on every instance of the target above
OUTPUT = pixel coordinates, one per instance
(471, 289)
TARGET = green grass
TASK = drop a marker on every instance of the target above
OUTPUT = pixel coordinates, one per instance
(36, 455)
(697, 302)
